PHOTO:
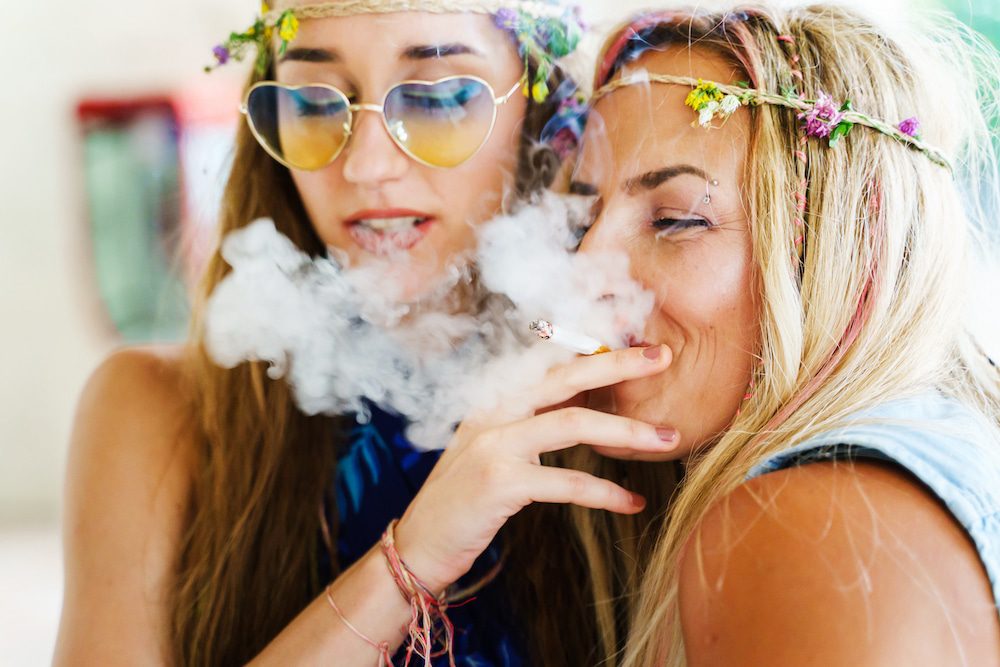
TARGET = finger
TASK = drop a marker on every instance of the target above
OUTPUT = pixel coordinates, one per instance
(543, 484)
(600, 370)
(569, 427)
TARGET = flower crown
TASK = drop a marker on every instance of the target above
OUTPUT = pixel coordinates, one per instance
(822, 118)
(545, 29)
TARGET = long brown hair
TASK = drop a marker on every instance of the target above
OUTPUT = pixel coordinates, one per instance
(887, 238)
(248, 560)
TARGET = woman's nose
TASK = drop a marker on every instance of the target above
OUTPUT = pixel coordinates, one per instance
(599, 237)
(371, 156)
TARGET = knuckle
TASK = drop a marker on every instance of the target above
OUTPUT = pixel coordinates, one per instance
(486, 441)
(493, 476)
(623, 361)
(636, 430)
(577, 483)
(566, 378)
(572, 419)
(611, 495)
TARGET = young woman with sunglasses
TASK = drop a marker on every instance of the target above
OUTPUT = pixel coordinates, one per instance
(205, 514)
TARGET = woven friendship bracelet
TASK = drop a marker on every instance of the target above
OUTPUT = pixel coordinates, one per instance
(429, 623)
(384, 659)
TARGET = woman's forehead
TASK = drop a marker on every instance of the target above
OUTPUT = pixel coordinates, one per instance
(384, 46)
(392, 33)
(646, 123)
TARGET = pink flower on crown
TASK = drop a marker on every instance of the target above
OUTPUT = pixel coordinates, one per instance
(910, 127)
(822, 118)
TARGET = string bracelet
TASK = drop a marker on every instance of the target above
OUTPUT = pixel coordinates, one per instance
(429, 624)
(384, 658)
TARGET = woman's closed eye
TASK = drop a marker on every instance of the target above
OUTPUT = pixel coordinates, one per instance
(665, 226)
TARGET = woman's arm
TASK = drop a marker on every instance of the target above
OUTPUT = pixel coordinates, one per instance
(835, 564)
(127, 479)
(130, 472)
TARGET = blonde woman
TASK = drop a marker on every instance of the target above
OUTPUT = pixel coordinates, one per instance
(788, 184)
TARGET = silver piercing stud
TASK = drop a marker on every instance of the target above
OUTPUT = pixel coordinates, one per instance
(715, 182)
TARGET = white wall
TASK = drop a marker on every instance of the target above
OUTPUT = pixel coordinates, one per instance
(52, 331)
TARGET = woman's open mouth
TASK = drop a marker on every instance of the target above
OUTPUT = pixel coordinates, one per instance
(385, 232)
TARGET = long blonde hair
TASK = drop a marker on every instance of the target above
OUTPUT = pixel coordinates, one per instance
(875, 310)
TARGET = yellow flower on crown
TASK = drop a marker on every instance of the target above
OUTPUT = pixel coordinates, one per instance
(703, 94)
(288, 26)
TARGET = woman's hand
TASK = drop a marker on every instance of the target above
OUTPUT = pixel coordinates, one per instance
(491, 469)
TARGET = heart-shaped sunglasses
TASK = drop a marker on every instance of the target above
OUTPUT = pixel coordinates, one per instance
(439, 123)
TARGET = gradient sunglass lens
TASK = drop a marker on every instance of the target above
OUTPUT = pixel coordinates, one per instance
(444, 123)
(305, 127)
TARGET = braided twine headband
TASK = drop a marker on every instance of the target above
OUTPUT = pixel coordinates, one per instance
(534, 8)
(545, 29)
(731, 97)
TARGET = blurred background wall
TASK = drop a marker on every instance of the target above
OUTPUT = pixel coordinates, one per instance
(54, 326)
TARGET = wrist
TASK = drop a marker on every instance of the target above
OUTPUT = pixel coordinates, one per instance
(422, 565)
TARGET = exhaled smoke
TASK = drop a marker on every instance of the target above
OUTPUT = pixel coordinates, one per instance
(341, 341)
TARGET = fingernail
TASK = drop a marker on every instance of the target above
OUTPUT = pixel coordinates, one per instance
(653, 353)
(666, 434)
(638, 500)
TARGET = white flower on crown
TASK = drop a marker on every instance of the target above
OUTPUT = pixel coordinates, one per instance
(707, 113)
(730, 103)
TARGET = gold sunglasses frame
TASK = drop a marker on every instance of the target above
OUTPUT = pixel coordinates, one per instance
(353, 109)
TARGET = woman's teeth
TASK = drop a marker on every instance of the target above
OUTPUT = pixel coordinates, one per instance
(384, 236)
(391, 225)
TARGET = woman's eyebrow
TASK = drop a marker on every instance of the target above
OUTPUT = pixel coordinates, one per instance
(427, 51)
(654, 179)
(308, 55)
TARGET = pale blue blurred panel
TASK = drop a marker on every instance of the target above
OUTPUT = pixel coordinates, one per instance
(131, 171)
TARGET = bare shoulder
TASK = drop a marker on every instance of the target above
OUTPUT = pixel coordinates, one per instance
(133, 412)
(831, 564)
(127, 482)
(136, 374)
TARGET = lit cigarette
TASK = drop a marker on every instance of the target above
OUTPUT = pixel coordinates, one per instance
(578, 342)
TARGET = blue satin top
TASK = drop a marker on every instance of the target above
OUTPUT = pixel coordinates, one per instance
(378, 474)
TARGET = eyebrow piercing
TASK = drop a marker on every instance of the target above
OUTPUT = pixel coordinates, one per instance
(708, 196)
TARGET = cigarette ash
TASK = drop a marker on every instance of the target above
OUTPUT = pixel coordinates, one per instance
(343, 342)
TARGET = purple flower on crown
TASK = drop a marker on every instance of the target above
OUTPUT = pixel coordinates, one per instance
(507, 19)
(910, 127)
(221, 54)
(823, 118)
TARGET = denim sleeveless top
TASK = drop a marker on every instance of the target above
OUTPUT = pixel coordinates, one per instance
(378, 474)
(946, 445)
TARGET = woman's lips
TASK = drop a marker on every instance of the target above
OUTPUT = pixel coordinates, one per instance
(634, 341)
(386, 231)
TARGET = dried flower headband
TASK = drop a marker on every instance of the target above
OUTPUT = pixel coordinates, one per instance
(822, 118)
(545, 29)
